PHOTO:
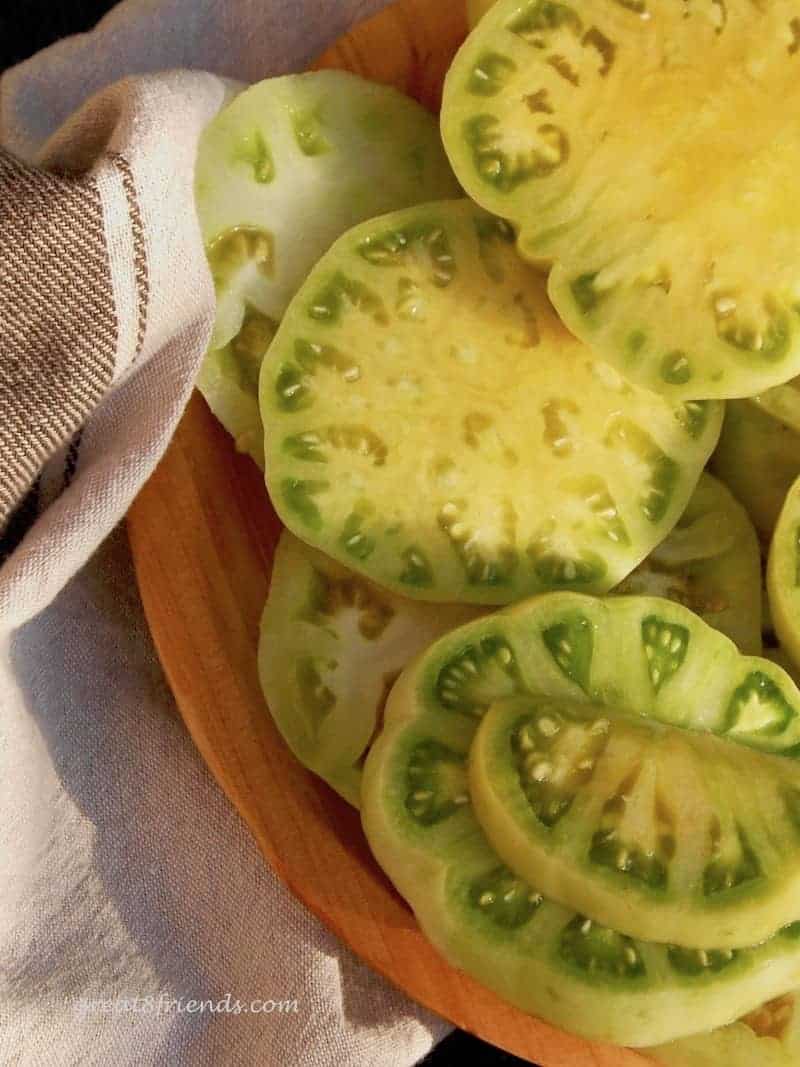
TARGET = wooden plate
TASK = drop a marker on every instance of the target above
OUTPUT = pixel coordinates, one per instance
(203, 534)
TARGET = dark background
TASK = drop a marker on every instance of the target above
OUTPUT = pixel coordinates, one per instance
(28, 25)
(32, 25)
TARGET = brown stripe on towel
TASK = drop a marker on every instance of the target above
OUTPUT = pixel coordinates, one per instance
(141, 268)
(58, 325)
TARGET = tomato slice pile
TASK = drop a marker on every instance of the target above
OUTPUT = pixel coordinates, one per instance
(590, 798)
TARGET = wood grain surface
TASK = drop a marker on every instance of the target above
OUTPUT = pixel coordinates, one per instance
(203, 534)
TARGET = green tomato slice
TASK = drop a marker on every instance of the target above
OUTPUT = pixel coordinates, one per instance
(431, 424)
(228, 379)
(783, 575)
(758, 458)
(669, 214)
(543, 957)
(773, 649)
(331, 646)
(282, 171)
(767, 1037)
(711, 563)
(662, 833)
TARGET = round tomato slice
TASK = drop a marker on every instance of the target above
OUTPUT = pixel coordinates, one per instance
(783, 575)
(419, 813)
(758, 458)
(331, 646)
(431, 424)
(711, 563)
(664, 834)
(282, 171)
(668, 213)
(758, 453)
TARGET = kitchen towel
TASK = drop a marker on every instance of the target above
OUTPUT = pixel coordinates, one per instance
(138, 923)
